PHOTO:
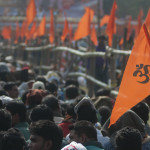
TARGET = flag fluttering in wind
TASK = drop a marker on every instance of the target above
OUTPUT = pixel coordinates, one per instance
(139, 21)
(41, 28)
(104, 20)
(6, 32)
(51, 36)
(111, 26)
(30, 12)
(33, 29)
(94, 36)
(135, 83)
(83, 29)
(65, 30)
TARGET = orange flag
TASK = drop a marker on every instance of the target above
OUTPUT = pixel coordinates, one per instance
(17, 32)
(41, 28)
(83, 29)
(6, 33)
(52, 36)
(66, 30)
(104, 20)
(94, 36)
(111, 26)
(129, 28)
(139, 21)
(135, 83)
(121, 41)
(30, 12)
(33, 29)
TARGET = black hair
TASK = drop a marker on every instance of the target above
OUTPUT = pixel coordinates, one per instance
(48, 131)
(41, 78)
(3, 92)
(17, 107)
(71, 92)
(41, 112)
(52, 87)
(84, 127)
(51, 101)
(13, 140)
(128, 138)
(5, 120)
(8, 86)
(88, 113)
(142, 110)
(102, 92)
(71, 82)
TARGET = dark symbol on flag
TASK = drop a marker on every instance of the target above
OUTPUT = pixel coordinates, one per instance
(139, 72)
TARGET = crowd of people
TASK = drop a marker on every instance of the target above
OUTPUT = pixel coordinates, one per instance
(50, 113)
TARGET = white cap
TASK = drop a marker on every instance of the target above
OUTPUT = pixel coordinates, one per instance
(38, 85)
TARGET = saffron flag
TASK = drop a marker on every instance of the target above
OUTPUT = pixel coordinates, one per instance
(139, 21)
(111, 26)
(30, 12)
(66, 30)
(135, 83)
(6, 32)
(41, 28)
(83, 29)
(104, 20)
(33, 29)
(52, 36)
(121, 41)
(94, 36)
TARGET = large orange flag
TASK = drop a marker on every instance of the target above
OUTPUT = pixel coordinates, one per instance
(94, 36)
(30, 12)
(51, 36)
(83, 29)
(41, 28)
(104, 20)
(139, 21)
(111, 26)
(66, 29)
(135, 83)
(6, 33)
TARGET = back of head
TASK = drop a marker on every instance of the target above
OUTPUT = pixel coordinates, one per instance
(13, 140)
(86, 112)
(16, 107)
(71, 92)
(51, 101)
(48, 131)
(71, 82)
(5, 120)
(41, 78)
(128, 139)
(38, 85)
(142, 110)
(8, 86)
(41, 112)
(86, 128)
(52, 88)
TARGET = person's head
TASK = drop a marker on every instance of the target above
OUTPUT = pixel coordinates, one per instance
(12, 89)
(71, 82)
(142, 110)
(86, 112)
(34, 97)
(3, 92)
(45, 135)
(13, 140)
(18, 111)
(52, 88)
(5, 120)
(101, 40)
(41, 78)
(52, 102)
(128, 139)
(71, 92)
(41, 112)
(82, 131)
(38, 85)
